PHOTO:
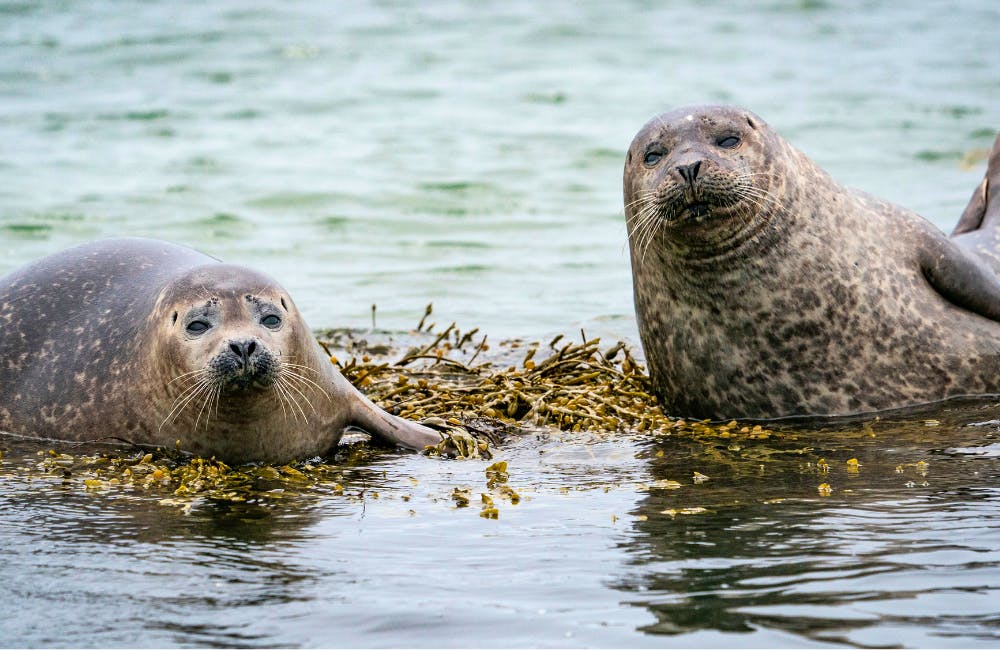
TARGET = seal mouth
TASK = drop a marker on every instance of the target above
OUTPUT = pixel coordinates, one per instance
(247, 379)
(698, 209)
(695, 212)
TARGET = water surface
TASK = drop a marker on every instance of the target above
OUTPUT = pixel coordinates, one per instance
(470, 154)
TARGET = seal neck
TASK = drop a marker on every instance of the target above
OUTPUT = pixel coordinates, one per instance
(739, 254)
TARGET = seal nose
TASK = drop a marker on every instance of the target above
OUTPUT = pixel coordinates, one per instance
(243, 349)
(689, 172)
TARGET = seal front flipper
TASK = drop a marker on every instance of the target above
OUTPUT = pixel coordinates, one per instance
(972, 217)
(391, 428)
(983, 210)
(960, 277)
(978, 231)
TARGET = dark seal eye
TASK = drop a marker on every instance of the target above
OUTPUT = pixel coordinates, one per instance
(729, 142)
(271, 321)
(197, 326)
(652, 158)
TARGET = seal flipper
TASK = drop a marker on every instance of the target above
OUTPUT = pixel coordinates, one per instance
(391, 428)
(978, 231)
(960, 277)
(983, 210)
(975, 212)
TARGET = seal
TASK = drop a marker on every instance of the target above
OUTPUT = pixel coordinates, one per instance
(765, 289)
(161, 345)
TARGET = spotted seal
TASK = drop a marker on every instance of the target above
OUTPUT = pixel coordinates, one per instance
(159, 344)
(764, 289)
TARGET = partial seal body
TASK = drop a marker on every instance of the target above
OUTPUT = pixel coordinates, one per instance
(158, 344)
(764, 289)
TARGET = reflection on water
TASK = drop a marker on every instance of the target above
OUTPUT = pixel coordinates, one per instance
(902, 551)
(617, 540)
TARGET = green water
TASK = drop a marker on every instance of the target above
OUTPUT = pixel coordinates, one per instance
(470, 154)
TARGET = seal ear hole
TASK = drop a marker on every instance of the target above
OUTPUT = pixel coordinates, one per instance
(173, 320)
(283, 303)
(750, 122)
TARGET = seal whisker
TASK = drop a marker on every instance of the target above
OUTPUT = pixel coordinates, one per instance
(639, 217)
(209, 394)
(292, 386)
(646, 237)
(185, 398)
(649, 236)
(305, 381)
(188, 374)
(644, 219)
(760, 198)
(281, 403)
(295, 365)
(203, 389)
(218, 396)
(644, 196)
(283, 384)
(646, 199)
(283, 398)
(648, 229)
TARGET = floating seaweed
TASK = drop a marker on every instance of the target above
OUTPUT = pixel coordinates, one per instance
(180, 479)
(562, 384)
(450, 380)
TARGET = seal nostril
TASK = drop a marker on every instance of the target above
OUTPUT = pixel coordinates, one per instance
(689, 172)
(243, 349)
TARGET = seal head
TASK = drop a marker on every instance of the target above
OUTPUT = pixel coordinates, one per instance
(227, 338)
(696, 183)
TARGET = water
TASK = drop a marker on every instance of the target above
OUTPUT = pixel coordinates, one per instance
(604, 549)
(471, 155)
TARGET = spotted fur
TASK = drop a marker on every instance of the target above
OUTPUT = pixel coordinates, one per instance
(794, 296)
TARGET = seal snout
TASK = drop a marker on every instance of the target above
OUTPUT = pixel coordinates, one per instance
(244, 362)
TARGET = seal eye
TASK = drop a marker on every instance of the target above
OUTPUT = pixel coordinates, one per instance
(270, 321)
(729, 142)
(652, 158)
(197, 326)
